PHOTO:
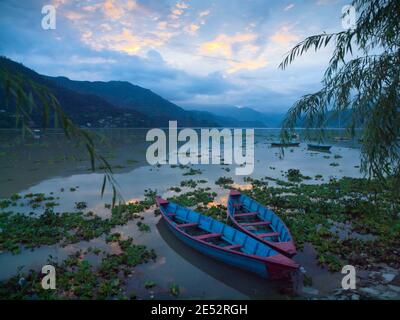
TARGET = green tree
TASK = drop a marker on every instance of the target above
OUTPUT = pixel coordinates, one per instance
(363, 76)
(30, 97)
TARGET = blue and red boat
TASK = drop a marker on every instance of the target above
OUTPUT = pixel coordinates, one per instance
(222, 242)
(260, 223)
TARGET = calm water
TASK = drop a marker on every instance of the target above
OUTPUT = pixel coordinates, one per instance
(49, 164)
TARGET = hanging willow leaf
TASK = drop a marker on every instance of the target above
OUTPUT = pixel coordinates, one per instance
(363, 76)
(30, 98)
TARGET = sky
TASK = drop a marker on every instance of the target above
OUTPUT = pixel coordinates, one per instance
(192, 52)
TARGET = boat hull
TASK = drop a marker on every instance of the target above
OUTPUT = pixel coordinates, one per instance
(284, 145)
(286, 246)
(273, 266)
(319, 148)
(232, 259)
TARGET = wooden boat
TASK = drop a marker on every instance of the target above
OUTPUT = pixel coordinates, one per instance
(319, 147)
(260, 222)
(341, 139)
(225, 243)
(285, 144)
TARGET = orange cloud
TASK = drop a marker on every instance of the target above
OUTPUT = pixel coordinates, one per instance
(222, 44)
(248, 65)
(111, 10)
(284, 36)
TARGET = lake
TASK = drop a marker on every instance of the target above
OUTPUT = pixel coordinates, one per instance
(50, 164)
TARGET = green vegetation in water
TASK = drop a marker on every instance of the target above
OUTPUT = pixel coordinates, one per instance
(194, 198)
(224, 182)
(78, 279)
(312, 211)
(294, 175)
(80, 205)
(21, 230)
(193, 172)
(143, 227)
(189, 183)
(149, 284)
(217, 212)
(174, 289)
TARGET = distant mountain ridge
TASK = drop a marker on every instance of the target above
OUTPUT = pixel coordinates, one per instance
(244, 114)
(103, 104)
(122, 104)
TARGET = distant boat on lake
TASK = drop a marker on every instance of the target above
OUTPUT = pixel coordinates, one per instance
(319, 147)
(285, 144)
(224, 243)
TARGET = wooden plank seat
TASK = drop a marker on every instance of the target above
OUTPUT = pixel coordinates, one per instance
(187, 225)
(233, 247)
(208, 236)
(237, 205)
(270, 234)
(171, 215)
(259, 223)
(247, 214)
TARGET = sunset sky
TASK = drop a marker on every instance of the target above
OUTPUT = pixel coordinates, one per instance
(190, 52)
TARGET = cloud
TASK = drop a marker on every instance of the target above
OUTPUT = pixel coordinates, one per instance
(189, 52)
(222, 45)
(111, 10)
(289, 7)
(284, 36)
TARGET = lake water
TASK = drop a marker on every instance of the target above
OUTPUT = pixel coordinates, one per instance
(49, 165)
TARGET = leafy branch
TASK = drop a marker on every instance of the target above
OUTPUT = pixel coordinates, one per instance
(29, 97)
(363, 76)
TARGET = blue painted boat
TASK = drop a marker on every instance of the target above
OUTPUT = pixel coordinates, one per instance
(224, 243)
(260, 223)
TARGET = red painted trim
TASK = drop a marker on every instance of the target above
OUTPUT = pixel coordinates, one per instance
(248, 214)
(264, 235)
(234, 193)
(259, 223)
(187, 225)
(208, 235)
(279, 260)
(233, 246)
(160, 201)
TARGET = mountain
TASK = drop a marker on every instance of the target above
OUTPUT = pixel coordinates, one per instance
(83, 109)
(132, 97)
(244, 115)
(103, 104)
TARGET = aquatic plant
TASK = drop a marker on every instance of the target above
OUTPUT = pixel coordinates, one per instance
(78, 279)
(174, 289)
(224, 182)
(311, 210)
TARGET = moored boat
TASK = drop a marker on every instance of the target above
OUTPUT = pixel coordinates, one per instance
(285, 144)
(260, 222)
(319, 147)
(224, 243)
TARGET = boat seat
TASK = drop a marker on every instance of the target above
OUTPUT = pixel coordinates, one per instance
(247, 214)
(265, 235)
(233, 246)
(237, 205)
(187, 225)
(259, 223)
(171, 215)
(208, 235)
